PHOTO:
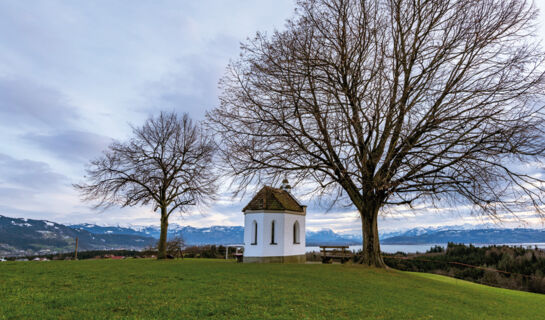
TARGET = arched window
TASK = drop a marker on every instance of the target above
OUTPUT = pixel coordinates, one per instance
(296, 236)
(254, 232)
(272, 233)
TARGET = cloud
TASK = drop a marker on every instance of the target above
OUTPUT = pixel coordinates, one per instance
(13, 212)
(16, 194)
(72, 145)
(28, 175)
(26, 104)
(192, 84)
(72, 74)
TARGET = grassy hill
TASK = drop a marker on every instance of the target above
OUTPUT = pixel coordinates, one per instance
(200, 288)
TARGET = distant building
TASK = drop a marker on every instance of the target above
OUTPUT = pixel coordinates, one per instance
(40, 259)
(113, 257)
(274, 227)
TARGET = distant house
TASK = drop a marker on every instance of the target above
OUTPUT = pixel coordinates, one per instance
(111, 256)
(40, 259)
(274, 227)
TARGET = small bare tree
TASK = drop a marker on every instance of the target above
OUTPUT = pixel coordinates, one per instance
(175, 247)
(167, 164)
(391, 102)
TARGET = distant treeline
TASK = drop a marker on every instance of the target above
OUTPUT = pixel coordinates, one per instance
(82, 255)
(208, 251)
(519, 268)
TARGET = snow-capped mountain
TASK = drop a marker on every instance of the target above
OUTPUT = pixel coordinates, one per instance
(418, 231)
(191, 235)
(329, 237)
(29, 237)
(475, 236)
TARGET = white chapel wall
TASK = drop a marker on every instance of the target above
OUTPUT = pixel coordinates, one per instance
(290, 248)
(283, 235)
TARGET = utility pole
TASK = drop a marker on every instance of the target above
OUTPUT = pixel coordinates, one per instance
(76, 252)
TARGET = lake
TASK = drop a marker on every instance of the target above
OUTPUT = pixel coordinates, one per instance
(413, 248)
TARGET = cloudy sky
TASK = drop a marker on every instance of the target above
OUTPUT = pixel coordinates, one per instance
(75, 74)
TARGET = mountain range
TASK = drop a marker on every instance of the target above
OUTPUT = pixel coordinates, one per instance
(29, 237)
(475, 236)
(214, 235)
(19, 236)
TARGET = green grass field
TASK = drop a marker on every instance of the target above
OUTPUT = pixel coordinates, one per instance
(199, 288)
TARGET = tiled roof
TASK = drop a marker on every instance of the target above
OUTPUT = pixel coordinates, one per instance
(269, 198)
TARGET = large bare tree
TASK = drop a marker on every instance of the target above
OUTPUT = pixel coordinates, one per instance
(167, 164)
(392, 102)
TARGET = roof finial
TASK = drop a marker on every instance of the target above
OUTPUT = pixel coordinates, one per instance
(286, 185)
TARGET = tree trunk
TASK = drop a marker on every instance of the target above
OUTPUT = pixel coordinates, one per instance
(162, 248)
(371, 242)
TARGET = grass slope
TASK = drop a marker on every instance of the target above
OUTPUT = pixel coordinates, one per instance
(145, 289)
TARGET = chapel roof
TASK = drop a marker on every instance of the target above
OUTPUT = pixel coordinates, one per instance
(269, 198)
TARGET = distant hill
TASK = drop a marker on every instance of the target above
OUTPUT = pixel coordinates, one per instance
(29, 237)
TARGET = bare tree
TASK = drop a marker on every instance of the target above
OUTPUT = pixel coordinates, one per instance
(392, 102)
(175, 246)
(167, 164)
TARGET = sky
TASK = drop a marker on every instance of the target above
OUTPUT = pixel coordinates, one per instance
(75, 75)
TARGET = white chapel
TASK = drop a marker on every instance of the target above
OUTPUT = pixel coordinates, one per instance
(274, 227)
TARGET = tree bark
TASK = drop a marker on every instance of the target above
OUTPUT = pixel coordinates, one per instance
(162, 248)
(371, 243)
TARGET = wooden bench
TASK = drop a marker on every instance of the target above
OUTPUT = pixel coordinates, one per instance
(330, 253)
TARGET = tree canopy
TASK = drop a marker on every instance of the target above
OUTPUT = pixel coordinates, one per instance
(167, 164)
